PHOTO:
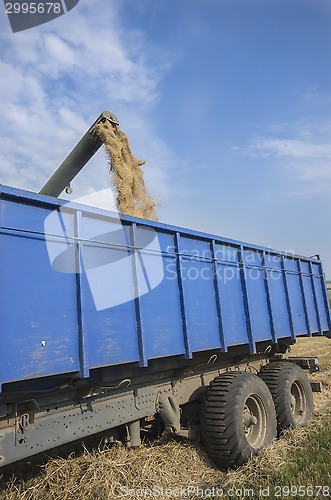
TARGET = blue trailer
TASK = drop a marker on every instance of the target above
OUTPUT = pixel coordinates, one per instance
(110, 322)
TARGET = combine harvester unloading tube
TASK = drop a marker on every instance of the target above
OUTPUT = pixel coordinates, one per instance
(116, 323)
(89, 144)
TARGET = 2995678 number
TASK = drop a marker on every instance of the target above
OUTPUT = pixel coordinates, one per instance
(33, 8)
(302, 491)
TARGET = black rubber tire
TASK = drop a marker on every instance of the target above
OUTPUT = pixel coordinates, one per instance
(226, 439)
(292, 394)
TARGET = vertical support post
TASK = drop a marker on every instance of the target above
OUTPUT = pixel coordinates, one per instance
(134, 434)
(83, 352)
(242, 271)
(287, 296)
(326, 300)
(188, 352)
(303, 298)
(217, 297)
(141, 348)
(267, 291)
(315, 297)
(2, 209)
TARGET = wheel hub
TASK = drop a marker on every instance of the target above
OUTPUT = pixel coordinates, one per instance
(298, 402)
(254, 421)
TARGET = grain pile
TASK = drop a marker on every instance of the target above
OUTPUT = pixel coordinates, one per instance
(132, 196)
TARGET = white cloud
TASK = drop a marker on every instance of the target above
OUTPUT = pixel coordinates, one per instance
(57, 78)
(307, 154)
(291, 148)
(102, 199)
(314, 177)
(59, 51)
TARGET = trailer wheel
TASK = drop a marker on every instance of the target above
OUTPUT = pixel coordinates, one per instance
(292, 394)
(237, 418)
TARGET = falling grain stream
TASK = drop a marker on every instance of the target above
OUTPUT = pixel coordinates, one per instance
(132, 196)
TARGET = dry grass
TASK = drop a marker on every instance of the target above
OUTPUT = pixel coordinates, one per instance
(110, 472)
(320, 347)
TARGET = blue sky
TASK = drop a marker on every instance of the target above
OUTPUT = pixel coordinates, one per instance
(228, 101)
